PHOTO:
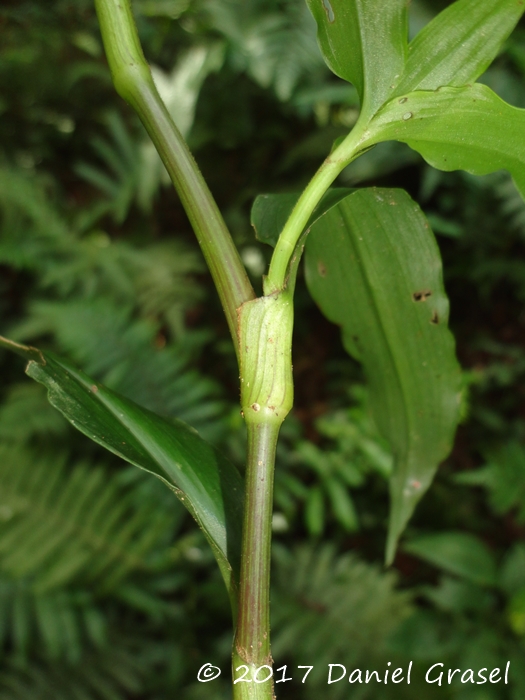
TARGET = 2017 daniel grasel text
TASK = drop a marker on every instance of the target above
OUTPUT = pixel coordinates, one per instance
(337, 673)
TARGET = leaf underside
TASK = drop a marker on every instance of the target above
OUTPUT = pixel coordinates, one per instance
(373, 267)
(424, 93)
(270, 211)
(468, 128)
(205, 482)
(459, 44)
(365, 42)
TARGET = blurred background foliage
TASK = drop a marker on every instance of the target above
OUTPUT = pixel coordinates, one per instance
(107, 589)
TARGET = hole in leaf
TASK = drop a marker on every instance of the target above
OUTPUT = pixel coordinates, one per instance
(422, 295)
(435, 318)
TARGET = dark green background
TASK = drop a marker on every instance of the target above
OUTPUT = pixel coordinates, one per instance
(107, 589)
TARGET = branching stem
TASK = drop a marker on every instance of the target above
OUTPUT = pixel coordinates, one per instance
(340, 157)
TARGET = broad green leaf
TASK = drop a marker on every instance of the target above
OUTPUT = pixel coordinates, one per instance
(467, 128)
(269, 214)
(204, 481)
(458, 45)
(365, 43)
(271, 211)
(373, 267)
(457, 553)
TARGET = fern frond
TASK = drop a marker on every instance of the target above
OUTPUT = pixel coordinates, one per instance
(156, 280)
(111, 675)
(162, 280)
(31, 227)
(70, 537)
(512, 206)
(334, 609)
(26, 413)
(110, 346)
(277, 49)
(120, 154)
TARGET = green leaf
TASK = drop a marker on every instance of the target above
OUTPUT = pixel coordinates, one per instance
(271, 211)
(467, 128)
(459, 44)
(458, 553)
(342, 504)
(205, 482)
(269, 214)
(512, 574)
(504, 479)
(373, 267)
(365, 43)
(314, 513)
(516, 612)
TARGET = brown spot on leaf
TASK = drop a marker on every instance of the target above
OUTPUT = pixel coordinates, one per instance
(321, 268)
(435, 318)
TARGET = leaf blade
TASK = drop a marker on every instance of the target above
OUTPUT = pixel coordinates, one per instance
(206, 483)
(468, 128)
(365, 43)
(459, 44)
(394, 316)
(270, 211)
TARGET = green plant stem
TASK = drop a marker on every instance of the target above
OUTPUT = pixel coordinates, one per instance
(265, 333)
(133, 81)
(252, 639)
(340, 157)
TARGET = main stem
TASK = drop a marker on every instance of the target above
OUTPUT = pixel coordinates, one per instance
(265, 338)
(133, 81)
(261, 328)
(252, 638)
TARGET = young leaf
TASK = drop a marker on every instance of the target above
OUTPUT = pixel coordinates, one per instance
(373, 267)
(205, 482)
(459, 44)
(365, 43)
(467, 128)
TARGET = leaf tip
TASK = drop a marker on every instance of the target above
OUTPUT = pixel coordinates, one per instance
(26, 351)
